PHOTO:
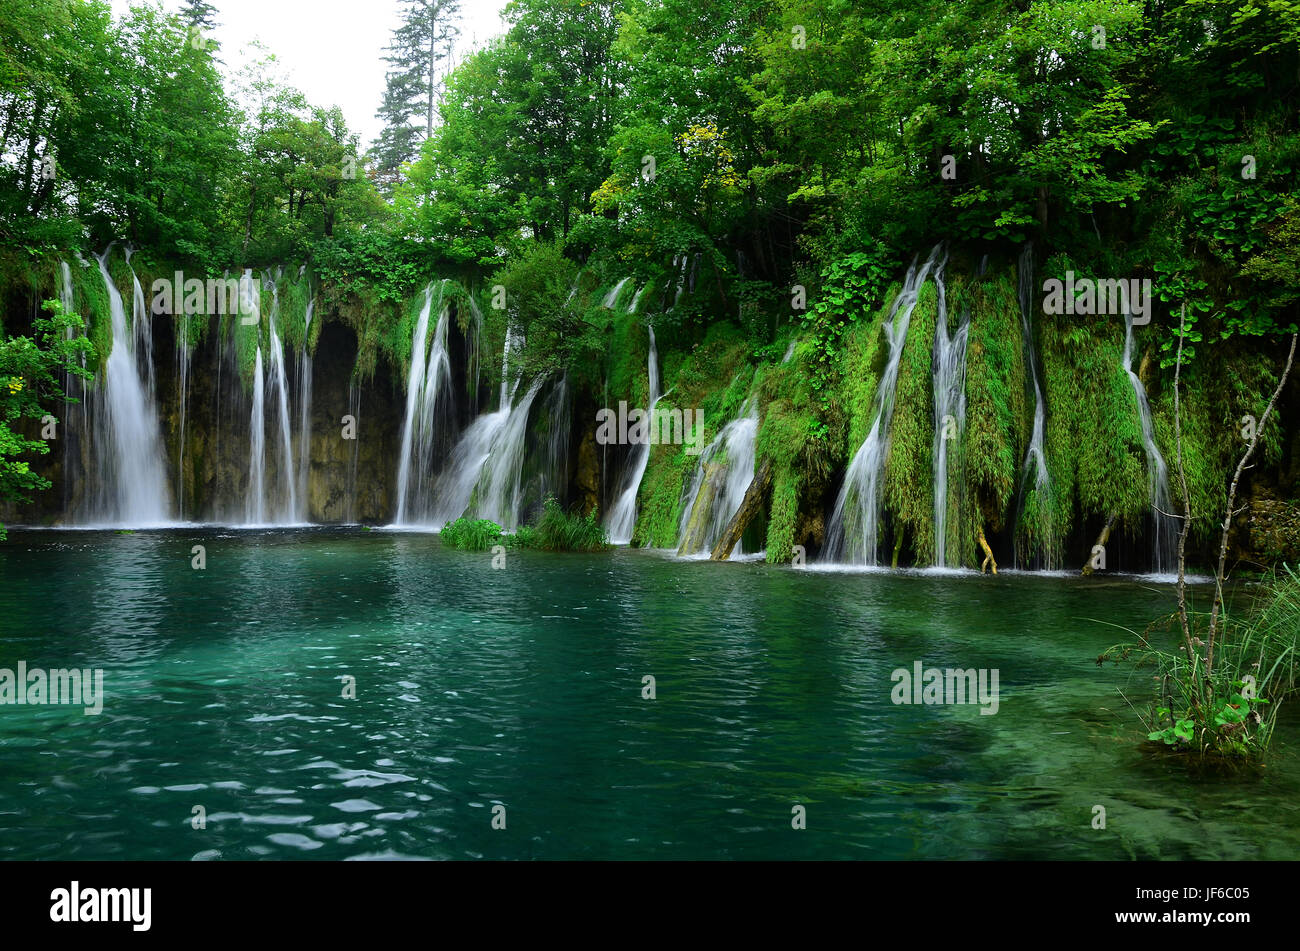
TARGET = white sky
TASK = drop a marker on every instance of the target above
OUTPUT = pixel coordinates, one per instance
(330, 49)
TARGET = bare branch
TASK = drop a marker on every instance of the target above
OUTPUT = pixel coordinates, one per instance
(1232, 495)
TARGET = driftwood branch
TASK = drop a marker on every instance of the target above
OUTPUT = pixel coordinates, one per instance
(749, 507)
(1102, 539)
(988, 554)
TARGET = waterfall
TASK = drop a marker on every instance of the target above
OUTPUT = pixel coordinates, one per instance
(622, 517)
(483, 477)
(636, 298)
(288, 483)
(65, 289)
(854, 532)
(428, 386)
(949, 368)
(259, 508)
(304, 415)
(722, 476)
(1036, 453)
(555, 476)
(255, 511)
(789, 351)
(612, 297)
(498, 489)
(142, 327)
(1163, 522)
(128, 459)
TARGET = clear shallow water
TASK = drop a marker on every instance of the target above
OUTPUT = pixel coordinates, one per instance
(522, 686)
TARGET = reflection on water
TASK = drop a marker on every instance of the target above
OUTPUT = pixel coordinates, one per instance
(523, 687)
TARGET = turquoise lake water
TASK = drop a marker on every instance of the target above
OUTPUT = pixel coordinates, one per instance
(522, 687)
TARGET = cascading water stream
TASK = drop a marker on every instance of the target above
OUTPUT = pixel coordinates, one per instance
(65, 290)
(1163, 522)
(854, 532)
(427, 387)
(483, 475)
(129, 463)
(1036, 456)
(611, 299)
(142, 327)
(949, 368)
(622, 517)
(636, 299)
(287, 480)
(722, 476)
(255, 511)
(559, 420)
(260, 509)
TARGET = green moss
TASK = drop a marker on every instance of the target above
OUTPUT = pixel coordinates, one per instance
(908, 491)
(862, 362)
(1222, 387)
(1094, 440)
(783, 517)
(659, 502)
(712, 377)
(999, 416)
(90, 300)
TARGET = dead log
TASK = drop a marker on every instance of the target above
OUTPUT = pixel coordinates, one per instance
(749, 507)
(1101, 543)
(697, 525)
(988, 554)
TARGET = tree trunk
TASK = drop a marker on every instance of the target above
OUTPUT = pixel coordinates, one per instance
(988, 554)
(693, 538)
(1101, 543)
(749, 507)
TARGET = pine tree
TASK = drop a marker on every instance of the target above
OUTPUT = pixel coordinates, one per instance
(420, 48)
(198, 13)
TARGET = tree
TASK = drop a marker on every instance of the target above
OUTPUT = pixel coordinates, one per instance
(198, 13)
(420, 47)
(30, 368)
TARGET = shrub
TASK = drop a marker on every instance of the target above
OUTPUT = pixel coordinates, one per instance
(471, 534)
(558, 530)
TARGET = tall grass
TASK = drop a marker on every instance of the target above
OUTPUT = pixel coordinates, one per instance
(1231, 711)
(558, 530)
(1220, 706)
(1270, 641)
(554, 530)
(471, 534)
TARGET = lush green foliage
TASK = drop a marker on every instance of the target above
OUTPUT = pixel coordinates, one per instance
(471, 534)
(554, 530)
(30, 370)
(558, 530)
(1256, 666)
